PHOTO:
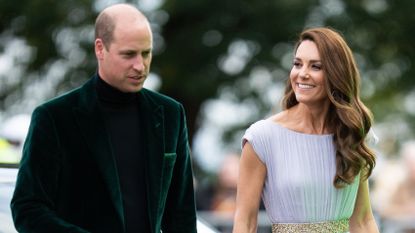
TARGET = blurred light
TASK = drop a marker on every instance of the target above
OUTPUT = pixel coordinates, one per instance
(232, 64)
(326, 9)
(385, 74)
(235, 112)
(368, 87)
(391, 130)
(362, 37)
(77, 15)
(100, 5)
(360, 60)
(15, 128)
(280, 74)
(13, 61)
(158, 44)
(153, 82)
(287, 60)
(149, 5)
(239, 54)
(260, 79)
(391, 70)
(375, 6)
(208, 146)
(6, 62)
(315, 18)
(332, 7)
(18, 24)
(273, 96)
(68, 40)
(87, 33)
(212, 38)
(409, 103)
(281, 49)
(159, 17)
(143, 5)
(38, 89)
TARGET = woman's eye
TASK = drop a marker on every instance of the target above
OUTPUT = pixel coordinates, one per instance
(316, 67)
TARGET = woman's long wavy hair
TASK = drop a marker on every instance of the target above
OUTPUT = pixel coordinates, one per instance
(348, 117)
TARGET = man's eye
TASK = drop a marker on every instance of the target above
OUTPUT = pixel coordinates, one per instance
(129, 54)
(146, 54)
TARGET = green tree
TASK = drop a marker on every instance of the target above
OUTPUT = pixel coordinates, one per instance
(207, 48)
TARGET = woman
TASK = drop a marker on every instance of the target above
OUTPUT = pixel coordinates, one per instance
(310, 162)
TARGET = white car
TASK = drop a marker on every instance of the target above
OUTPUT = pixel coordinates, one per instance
(7, 181)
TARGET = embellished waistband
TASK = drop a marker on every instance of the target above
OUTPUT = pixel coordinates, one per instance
(337, 226)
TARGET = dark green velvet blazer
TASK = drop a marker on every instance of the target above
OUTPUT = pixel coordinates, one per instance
(68, 182)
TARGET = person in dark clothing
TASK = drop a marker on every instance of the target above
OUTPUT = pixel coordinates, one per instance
(110, 156)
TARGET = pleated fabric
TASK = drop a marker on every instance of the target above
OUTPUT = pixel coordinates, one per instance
(300, 171)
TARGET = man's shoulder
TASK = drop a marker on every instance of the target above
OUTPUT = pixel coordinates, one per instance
(158, 98)
(71, 98)
(64, 99)
(61, 105)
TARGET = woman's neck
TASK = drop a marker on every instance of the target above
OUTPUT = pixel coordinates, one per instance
(304, 119)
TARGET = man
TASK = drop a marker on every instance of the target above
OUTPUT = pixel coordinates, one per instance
(110, 156)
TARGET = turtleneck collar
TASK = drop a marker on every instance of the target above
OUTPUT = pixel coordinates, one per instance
(111, 95)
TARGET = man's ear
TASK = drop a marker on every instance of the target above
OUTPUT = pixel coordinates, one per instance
(99, 48)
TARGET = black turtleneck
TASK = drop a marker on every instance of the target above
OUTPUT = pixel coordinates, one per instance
(123, 124)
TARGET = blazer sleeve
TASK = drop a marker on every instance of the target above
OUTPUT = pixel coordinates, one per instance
(34, 200)
(180, 209)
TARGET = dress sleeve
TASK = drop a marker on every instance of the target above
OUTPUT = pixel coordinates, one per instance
(255, 136)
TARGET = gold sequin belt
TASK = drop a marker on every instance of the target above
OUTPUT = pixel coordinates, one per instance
(318, 227)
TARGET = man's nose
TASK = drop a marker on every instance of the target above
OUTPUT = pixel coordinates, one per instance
(139, 63)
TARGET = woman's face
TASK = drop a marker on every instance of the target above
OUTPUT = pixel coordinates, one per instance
(307, 76)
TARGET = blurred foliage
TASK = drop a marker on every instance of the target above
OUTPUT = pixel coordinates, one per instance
(208, 47)
(199, 34)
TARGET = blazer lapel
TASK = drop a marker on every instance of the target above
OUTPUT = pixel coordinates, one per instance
(153, 129)
(93, 130)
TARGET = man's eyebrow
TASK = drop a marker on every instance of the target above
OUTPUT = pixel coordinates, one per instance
(128, 51)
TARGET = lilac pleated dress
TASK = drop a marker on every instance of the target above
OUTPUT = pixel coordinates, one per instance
(300, 170)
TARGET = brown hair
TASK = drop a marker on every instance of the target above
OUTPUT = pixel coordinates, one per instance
(104, 28)
(347, 116)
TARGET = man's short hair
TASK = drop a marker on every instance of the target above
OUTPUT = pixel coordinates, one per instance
(104, 29)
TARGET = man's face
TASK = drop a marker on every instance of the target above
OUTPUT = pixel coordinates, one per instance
(125, 63)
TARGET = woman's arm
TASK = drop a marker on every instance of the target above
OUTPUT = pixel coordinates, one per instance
(362, 219)
(250, 183)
